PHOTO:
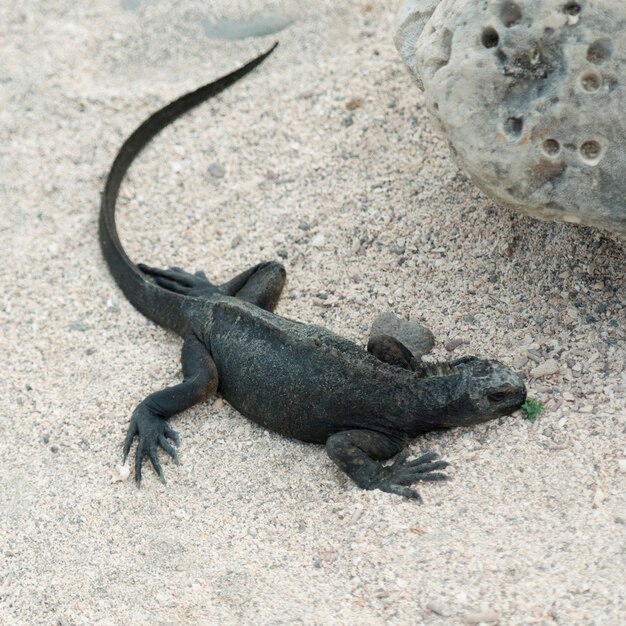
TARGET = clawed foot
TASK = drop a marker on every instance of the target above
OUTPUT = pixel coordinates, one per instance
(396, 477)
(179, 281)
(152, 431)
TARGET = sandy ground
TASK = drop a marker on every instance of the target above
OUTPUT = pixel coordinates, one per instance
(324, 157)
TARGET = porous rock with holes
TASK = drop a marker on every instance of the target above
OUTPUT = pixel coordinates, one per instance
(531, 97)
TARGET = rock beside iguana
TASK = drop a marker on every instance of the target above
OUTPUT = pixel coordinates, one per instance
(415, 336)
(530, 96)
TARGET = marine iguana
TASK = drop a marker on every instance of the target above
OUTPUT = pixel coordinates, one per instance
(299, 380)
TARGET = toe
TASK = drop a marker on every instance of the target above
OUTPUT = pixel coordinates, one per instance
(168, 448)
(152, 455)
(170, 433)
(425, 458)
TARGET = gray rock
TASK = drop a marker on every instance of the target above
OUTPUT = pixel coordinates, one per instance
(417, 338)
(216, 170)
(531, 98)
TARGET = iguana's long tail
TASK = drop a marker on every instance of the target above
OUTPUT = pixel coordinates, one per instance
(161, 306)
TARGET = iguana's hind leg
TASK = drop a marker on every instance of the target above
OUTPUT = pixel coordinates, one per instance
(179, 281)
(261, 285)
(149, 419)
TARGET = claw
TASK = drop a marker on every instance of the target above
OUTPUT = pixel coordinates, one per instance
(431, 455)
(168, 448)
(171, 285)
(157, 466)
(170, 433)
(174, 273)
(407, 492)
(434, 476)
(128, 442)
(138, 462)
(428, 467)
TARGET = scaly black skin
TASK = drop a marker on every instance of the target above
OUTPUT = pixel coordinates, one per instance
(299, 380)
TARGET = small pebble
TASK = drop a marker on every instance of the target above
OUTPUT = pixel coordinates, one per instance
(121, 473)
(438, 608)
(520, 362)
(547, 368)
(354, 103)
(598, 498)
(453, 344)
(216, 170)
(318, 241)
(621, 463)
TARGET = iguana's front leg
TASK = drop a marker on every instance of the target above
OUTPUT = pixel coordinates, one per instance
(149, 419)
(390, 350)
(359, 452)
(400, 342)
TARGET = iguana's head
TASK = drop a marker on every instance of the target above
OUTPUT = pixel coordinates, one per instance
(488, 390)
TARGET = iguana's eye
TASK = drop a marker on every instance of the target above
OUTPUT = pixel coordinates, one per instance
(500, 393)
